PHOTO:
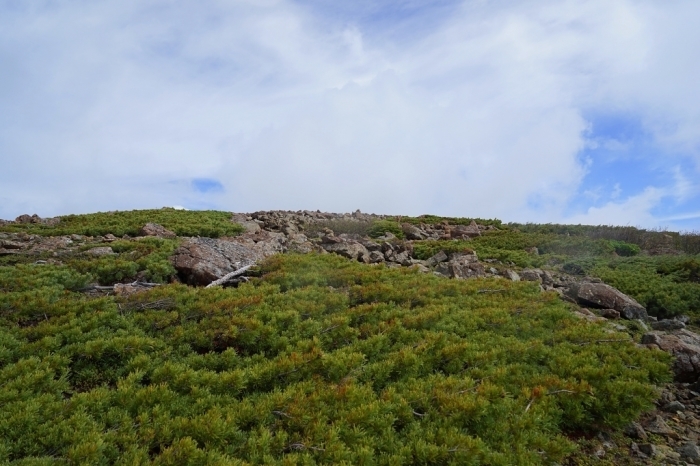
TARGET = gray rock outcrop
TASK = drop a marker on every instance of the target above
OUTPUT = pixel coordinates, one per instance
(602, 296)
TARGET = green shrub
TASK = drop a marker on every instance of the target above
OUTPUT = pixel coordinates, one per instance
(625, 249)
(665, 285)
(208, 223)
(322, 360)
(381, 227)
(147, 256)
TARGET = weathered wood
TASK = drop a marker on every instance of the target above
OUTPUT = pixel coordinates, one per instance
(229, 276)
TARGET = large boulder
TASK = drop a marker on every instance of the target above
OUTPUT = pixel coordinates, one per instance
(602, 296)
(200, 261)
(684, 345)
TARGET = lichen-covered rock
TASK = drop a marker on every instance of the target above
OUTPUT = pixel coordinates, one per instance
(200, 261)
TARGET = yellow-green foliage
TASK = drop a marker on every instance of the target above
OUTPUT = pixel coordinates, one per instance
(381, 227)
(208, 223)
(321, 361)
(434, 219)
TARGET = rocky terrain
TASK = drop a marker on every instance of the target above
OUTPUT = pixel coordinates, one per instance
(668, 435)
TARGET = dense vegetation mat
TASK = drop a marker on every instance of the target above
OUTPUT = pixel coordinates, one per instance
(210, 223)
(319, 361)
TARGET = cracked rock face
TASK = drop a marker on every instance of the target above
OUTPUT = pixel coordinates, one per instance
(200, 261)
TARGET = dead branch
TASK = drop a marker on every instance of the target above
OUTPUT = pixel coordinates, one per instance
(229, 276)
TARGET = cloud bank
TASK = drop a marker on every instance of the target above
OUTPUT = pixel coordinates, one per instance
(546, 111)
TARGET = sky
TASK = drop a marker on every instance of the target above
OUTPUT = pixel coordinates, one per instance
(561, 111)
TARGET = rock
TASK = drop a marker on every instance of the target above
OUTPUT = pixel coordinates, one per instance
(682, 318)
(101, 251)
(605, 296)
(684, 345)
(436, 259)
(200, 261)
(511, 275)
(403, 258)
(461, 266)
(465, 231)
(388, 236)
(667, 324)
(674, 407)
(246, 222)
(109, 237)
(371, 245)
(26, 218)
(610, 313)
(657, 425)
(298, 242)
(413, 232)
(350, 249)
(531, 275)
(11, 244)
(375, 257)
(636, 431)
(263, 243)
(648, 449)
(689, 451)
(153, 229)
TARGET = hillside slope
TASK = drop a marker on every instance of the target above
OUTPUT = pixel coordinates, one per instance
(416, 341)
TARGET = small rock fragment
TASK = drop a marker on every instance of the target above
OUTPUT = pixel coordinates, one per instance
(101, 251)
(610, 313)
(634, 430)
(657, 425)
(674, 407)
(648, 449)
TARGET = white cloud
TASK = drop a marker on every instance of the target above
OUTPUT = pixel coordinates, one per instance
(117, 104)
(633, 211)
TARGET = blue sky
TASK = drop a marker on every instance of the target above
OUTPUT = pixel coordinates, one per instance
(536, 110)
